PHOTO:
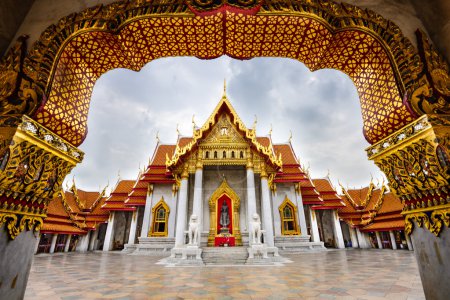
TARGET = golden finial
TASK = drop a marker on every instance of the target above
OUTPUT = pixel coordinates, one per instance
(157, 137)
(254, 123)
(224, 87)
(328, 173)
(118, 174)
(193, 122)
(178, 131)
(270, 131)
(290, 137)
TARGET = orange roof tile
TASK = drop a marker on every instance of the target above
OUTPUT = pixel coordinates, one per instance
(263, 140)
(385, 225)
(287, 154)
(159, 157)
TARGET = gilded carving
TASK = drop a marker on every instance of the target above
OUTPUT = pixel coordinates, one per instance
(434, 222)
(15, 224)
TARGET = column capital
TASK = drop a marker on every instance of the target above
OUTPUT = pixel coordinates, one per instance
(185, 172)
(263, 171)
(249, 156)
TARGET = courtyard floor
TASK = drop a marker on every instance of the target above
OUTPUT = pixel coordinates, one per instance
(337, 274)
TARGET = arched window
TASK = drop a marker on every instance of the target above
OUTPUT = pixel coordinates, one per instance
(160, 214)
(215, 154)
(241, 155)
(207, 154)
(224, 154)
(288, 215)
(232, 154)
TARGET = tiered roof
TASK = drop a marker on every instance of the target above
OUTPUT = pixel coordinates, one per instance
(75, 212)
(372, 209)
(117, 198)
(331, 200)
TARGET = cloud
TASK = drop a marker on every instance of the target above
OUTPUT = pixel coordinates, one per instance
(128, 109)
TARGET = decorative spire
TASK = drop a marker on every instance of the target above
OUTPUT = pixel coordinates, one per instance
(178, 131)
(224, 87)
(254, 123)
(194, 126)
(290, 137)
(157, 137)
(270, 131)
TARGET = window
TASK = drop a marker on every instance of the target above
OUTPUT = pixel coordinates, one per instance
(241, 155)
(232, 154)
(288, 213)
(215, 154)
(224, 154)
(160, 219)
(207, 154)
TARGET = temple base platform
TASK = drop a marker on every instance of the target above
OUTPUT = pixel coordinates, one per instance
(151, 246)
(296, 244)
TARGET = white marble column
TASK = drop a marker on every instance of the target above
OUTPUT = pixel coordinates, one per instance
(408, 242)
(67, 245)
(94, 236)
(353, 237)
(53, 244)
(197, 207)
(147, 213)
(251, 195)
(393, 243)
(267, 222)
(301, 213)
(109, 236)
(362, 239)
(315, 237)
(133, 227)
(83, 243)
(380, 244)
(38, 240)
(182, 209)
(337, 230)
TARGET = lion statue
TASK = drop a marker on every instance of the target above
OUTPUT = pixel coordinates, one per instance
(255, 230)
(194, 230)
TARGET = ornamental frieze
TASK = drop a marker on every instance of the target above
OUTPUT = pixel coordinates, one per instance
(32, 169)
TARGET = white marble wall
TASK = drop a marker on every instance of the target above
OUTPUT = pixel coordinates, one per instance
(283, 190)
(165, 190)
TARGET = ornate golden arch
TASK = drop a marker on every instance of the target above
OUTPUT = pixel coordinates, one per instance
(224, 189)
(161, 203)
(289, 203)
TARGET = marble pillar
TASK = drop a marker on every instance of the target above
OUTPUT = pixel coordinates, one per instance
(182, 210)
(301, 214)
(109, 236)
(197, 207)
(251, 195)
(133, 227)
(16, 257)
(362, 240)
(392, 237)
(315, 237)
(380, 244)
(83, 242)
(267, 222)
(38, 240)
(337, 230)
(353, 237)
(67, 245)
(94, 236)
(147, 214)
(53, 244)
(409, 243)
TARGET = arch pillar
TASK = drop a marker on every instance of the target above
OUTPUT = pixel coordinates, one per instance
(416, 161)
(33, 164)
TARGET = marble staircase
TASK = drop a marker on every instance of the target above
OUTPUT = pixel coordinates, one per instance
(224, 255)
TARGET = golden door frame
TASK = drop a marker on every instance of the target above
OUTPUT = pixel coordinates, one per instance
(224, 189)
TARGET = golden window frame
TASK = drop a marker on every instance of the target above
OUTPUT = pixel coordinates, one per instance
(283, 219)
(161, 204)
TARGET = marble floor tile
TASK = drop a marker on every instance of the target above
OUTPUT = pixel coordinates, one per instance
(336, 274)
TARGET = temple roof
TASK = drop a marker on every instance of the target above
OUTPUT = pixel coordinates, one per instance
(331, 200)
(372, 209)
(75, 212)
(117, 198)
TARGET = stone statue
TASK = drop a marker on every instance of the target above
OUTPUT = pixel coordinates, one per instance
(224, 215)
(255, 229)
(194, 230)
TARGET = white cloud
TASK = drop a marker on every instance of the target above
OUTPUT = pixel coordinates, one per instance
(128, 108)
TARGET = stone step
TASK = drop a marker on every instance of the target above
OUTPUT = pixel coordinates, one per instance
(224, 255)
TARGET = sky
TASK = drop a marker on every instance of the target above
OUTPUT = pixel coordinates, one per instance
(128, 109)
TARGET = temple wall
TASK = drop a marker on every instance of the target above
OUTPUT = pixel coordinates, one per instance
(165, 190)
(345, 231)
(283, 190)
(431, 16)
(308, 218)
(121, 228)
